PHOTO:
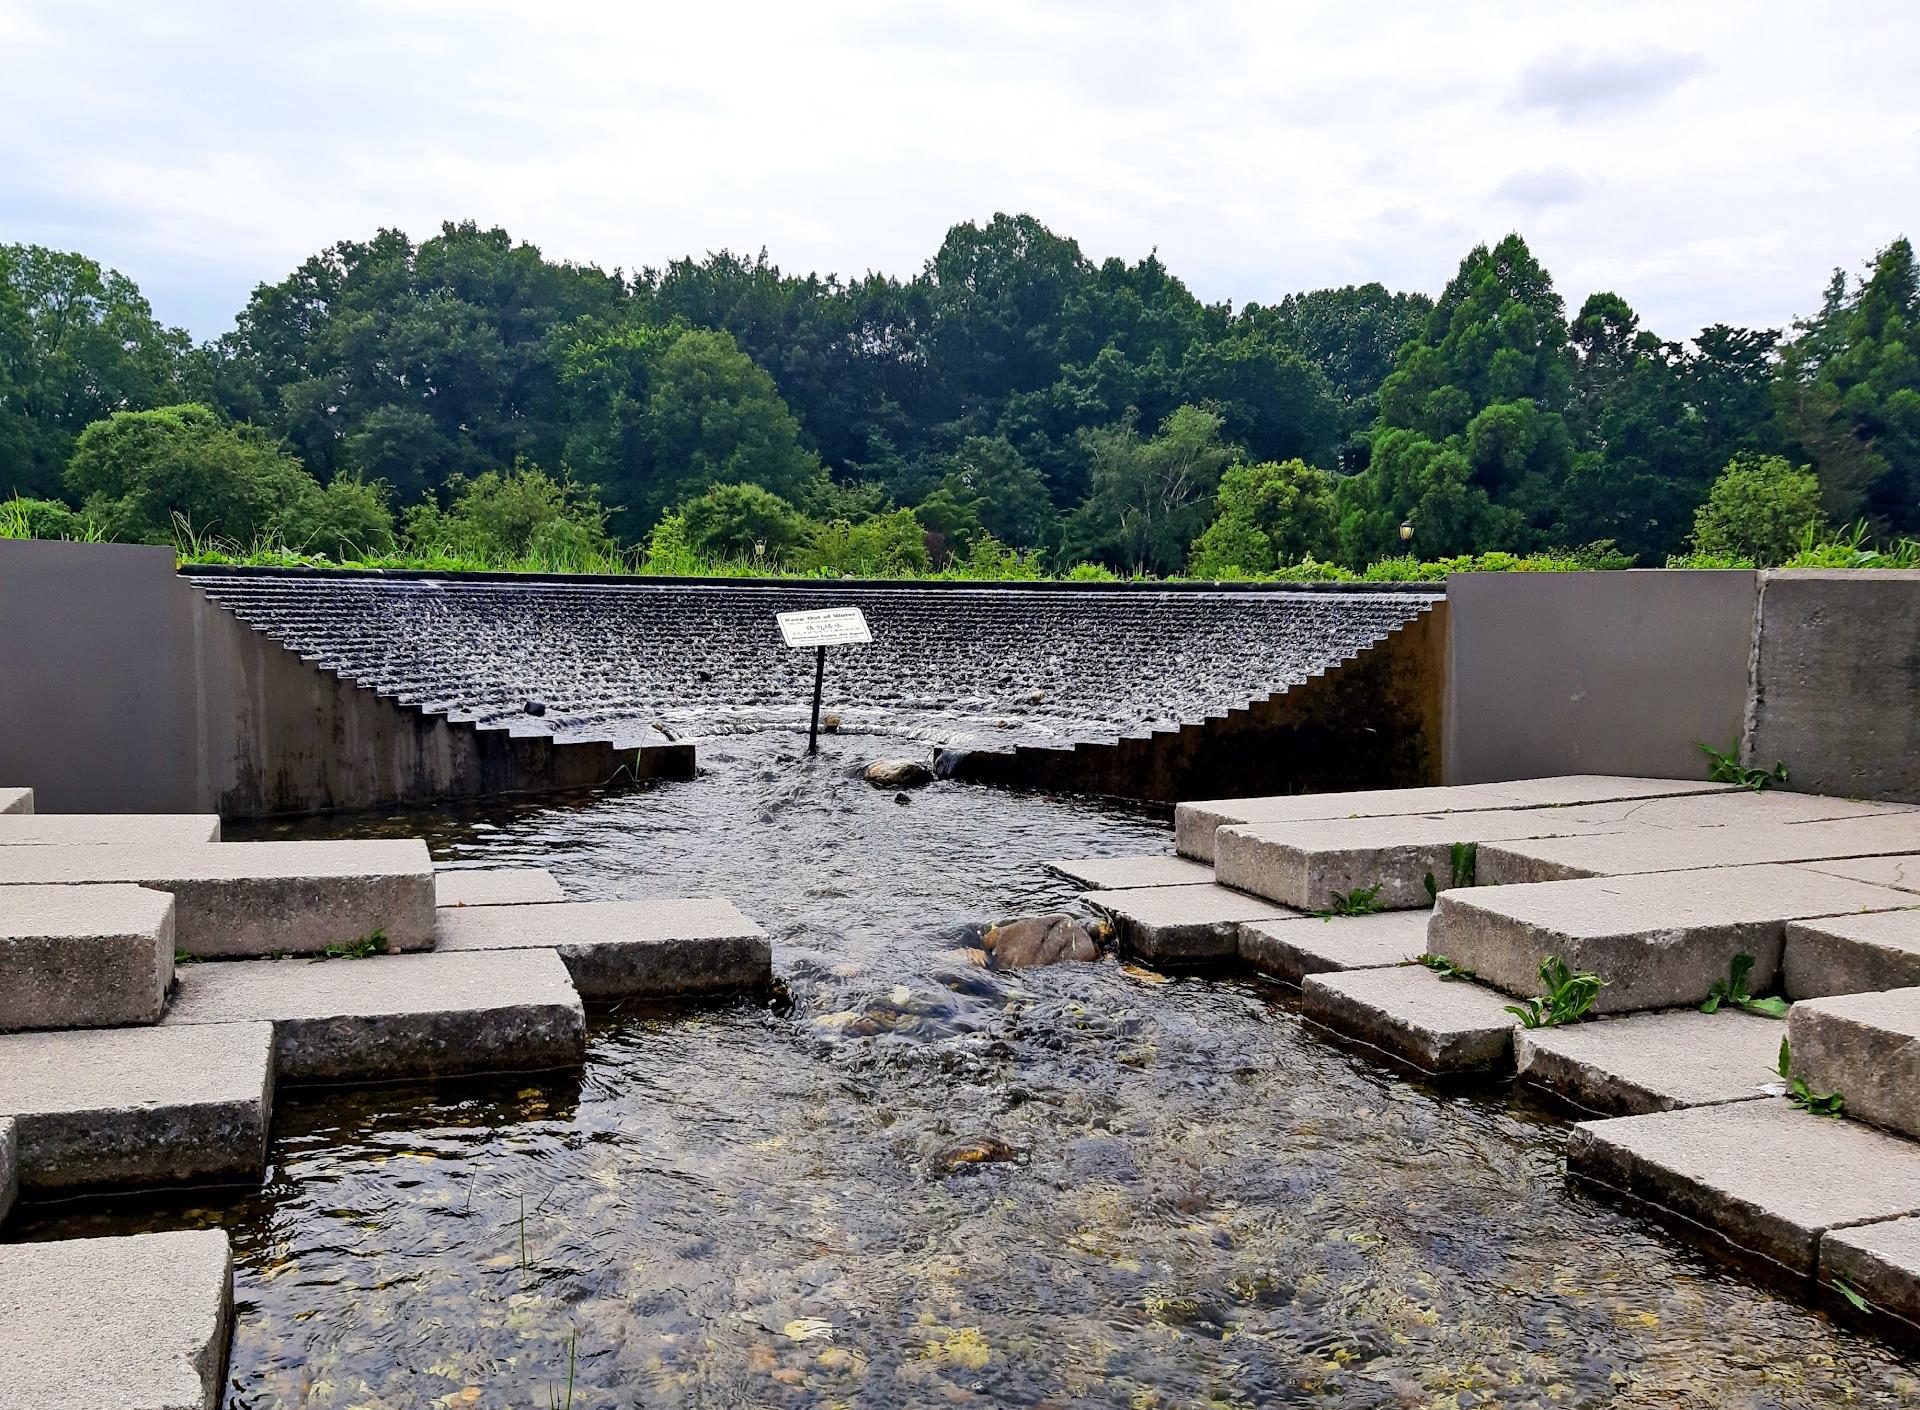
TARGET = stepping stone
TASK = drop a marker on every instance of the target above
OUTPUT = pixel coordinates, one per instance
(16, 800)
(139, 1106)
(626, 949)
(495, 886)
(1293, 949)
(1880, 1261)
(135, 1323)
(83, 956)
(1652, 850)
(1654, 1061)
(1302, 864)
(395, 1016)
(1851, 954)
(9, 1165)
(259, 898)
(1438, 1025)
(1731, 808)
(1130, 873)
(1866, 1047)
(1659, 941)
(106, 829)
(1764, 1176)
(1181, 923)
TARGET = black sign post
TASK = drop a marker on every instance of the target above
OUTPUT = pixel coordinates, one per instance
(829, 626)
(819, 679)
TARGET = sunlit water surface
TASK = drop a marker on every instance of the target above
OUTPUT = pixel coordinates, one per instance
(1194, 1200)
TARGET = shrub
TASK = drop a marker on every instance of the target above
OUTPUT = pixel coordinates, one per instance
(1760, 509)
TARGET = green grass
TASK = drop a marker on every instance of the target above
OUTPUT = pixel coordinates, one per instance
(364, 948)
(1443, 966)
(1568, 998)
(1361, 901)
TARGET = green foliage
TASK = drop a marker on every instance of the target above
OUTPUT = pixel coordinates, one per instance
(885, 546)
(1463, 863)
(347, 519)
(1853, 548)
(1568, 998)
(365, 947)
(1090, 573)
(1269, 516)
(1801, 1095)
(742, 521)
(1361, 901)
(1150, 497)
(989, 484)
(1758, 510)
(1443, 966)
(522, 514)
(44, 519)
(1735, 990)
(1725, 767)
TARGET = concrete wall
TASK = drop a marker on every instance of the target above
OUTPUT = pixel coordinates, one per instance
(1607, 673)
(122, 689)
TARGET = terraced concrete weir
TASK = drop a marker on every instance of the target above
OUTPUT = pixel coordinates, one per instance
(1065, 684)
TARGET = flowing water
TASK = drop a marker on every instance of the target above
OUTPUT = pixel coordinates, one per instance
(912, 1181)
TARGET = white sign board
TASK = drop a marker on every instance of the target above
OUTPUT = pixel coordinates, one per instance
(830, 626)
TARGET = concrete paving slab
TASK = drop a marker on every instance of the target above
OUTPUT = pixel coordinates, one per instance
(258, 898)
(106, 829)
(1902, 872)
(1732, 807)
(1654, 1061)
(496, 886)
(83, 956)
(135, 1323)
(1641, 850)
(1766, 1177)
(16, 801)
(1130, 873)
(626, 949)
(109, 1107)
(1439, 1025)
(1292, 949)
(1181, 923)
(9, 1165)
(1659, 941)
(396, 1016)
(1866, 1047)
(1851, 954)
(1881, 1262)
(1569, 790)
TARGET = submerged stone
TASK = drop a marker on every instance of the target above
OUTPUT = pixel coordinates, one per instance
(1038, 940)
(899, 773)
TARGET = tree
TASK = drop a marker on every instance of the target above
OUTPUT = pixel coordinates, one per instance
(345, 520)
(885, 546)
(504, 516)
(1758, 511)
(1272, 401)
(1150, 497)
(743, 521)
(998, 491)
(1270, 516)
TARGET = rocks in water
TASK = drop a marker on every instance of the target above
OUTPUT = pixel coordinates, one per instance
(986, 1151)
(899, 773)
(536, 707)
(1038, 940)
(830, 724)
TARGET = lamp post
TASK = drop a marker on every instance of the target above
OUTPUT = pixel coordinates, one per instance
(1406, 531)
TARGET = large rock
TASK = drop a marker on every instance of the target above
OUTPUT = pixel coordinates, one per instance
(626, 949)
(107, 829)
(1658, 941)
(1182, 923)
(1851, 954)
(134, 1323)
(1438, 1025)
(1880, 1262)
(1292, 949)
(1866, 1047)
(496, 886)
(83, 956)
(1038, 940)
(899, 773)
(113, 1107)
(1126, 873)
(1653, 1061)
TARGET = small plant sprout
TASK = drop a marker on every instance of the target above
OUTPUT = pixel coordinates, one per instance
(1361, 901)
(1734, 990)
(1463, 862)
(363, 948)
(1568, 997)
(1727, 768)
(555, 1400)
(1801, 1095)
(1845, 1289)
(1443, 966)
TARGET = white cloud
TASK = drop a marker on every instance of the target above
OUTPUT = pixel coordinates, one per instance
(1707, 162)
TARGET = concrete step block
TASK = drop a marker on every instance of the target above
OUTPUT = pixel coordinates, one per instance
(1656, 850)
(135, 1323)
(16, 801)
(1881, 1262)
(1866, 1047)
(1181, 924)
(1764, 1176)
(107, 829)
(110, 1107)
(1654, 1061)
(258, 898)
(9, 1165)
(396, 1016)
(1440, 1026)
(1132, 873)
(496, 886)
(626, 949)
(1659, 940)
(1851, 954)
(1292, 949)
(1735, 807)
(1901, 872)
(83, 956)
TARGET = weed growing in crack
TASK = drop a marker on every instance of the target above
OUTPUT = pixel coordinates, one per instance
(1569, 995)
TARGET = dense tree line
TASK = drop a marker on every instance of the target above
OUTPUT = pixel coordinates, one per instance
(1013, 393)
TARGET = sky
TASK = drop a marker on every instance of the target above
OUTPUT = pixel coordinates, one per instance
(1710, 162)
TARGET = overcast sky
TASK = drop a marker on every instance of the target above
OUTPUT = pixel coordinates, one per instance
(1708, 161)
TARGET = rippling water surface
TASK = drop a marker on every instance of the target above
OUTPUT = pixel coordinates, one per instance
(917, 1182)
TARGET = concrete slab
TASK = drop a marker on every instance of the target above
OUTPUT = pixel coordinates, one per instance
(1881, 1262)
(1439, 1025)
(1659, 941)
(626, 949)
(395, 1016)
(496, 886)
(1766, 1177)
(1130, 873)
(9, 1165)
(1902, 872)
(106, 829)
(16, 801)
(139, 1106)
(1851, 954)
(1654, 1061)
(135, 1323)
(1637, 850)
(1181, 923)
(258, 898)
(1568, 790)
(1866, 1047)
(83, 956)
(1292, 949)
(1733, 807)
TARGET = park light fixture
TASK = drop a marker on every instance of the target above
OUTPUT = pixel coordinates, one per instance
(1406, 531)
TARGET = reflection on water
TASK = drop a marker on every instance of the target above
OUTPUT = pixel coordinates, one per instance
(921, 1183)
